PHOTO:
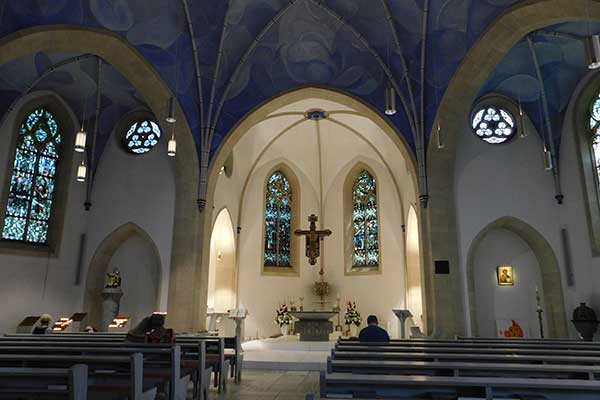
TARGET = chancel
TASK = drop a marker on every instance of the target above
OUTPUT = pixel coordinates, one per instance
(198, 197)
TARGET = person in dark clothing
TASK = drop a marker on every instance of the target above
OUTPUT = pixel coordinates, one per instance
(373, 333)
(44, 327)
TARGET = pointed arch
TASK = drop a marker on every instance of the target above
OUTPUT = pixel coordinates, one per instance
(362, 234)
(222, 287)
(100, 261)
(554, 305)
(281, 197)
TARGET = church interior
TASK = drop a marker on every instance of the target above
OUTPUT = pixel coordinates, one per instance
(231, 199)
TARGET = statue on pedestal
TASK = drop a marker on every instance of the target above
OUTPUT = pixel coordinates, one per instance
(111, 298)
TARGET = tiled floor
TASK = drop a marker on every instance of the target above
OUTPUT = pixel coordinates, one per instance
(271, 385)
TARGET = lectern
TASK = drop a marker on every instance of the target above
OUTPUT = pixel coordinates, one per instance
(402, 315)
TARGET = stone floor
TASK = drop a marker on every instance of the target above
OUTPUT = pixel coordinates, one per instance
(271, 385)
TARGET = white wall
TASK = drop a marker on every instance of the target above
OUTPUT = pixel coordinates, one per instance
(126, 189)
(298, 149)
(140, 273)
(518, 302)
(493, 181)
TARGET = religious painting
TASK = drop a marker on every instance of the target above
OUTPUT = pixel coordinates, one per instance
(511, 328)
(505, 275)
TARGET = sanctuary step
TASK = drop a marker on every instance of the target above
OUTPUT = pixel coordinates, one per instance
(286, 353)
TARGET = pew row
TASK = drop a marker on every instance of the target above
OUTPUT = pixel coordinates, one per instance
(41, 383)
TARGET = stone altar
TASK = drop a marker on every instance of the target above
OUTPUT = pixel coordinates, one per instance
(314, 326)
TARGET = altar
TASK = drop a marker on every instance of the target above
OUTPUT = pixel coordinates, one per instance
(314, 326)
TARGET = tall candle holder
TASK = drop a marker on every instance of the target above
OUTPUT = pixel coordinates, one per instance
(539, 311)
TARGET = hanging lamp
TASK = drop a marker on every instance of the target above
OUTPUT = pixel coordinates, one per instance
(440, 143)
(81, 171)
(594, 52)
(548, 165)
(172, 145)
(171, 115)
(390, 101)
(80, 139)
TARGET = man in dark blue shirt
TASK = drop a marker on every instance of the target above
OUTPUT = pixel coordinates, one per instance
(373, 333)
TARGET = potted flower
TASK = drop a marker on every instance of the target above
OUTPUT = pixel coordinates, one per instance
(283, 319)
(352, 318)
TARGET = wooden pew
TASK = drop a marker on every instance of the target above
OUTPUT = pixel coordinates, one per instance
(160, 364)
(462, 350)
(191, 354)
(69, 383)
(122, 376)
(427, 368)
(343, 385)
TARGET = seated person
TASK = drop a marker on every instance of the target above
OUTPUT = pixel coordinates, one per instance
(158, 333)
(373, 333)
(44, 327)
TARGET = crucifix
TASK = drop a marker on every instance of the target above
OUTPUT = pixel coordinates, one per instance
(313, 240)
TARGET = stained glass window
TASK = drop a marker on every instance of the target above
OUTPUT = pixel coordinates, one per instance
(33, 180)
(278, 221)
(366, 221)
(493, 125)
(142, 136)
(595, 130)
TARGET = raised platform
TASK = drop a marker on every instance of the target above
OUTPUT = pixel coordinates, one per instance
(286, 353)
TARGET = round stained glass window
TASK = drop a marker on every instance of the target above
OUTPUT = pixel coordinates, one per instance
(493, 125)
(142, 136)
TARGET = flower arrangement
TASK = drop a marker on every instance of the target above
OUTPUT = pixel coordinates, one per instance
(352, 316)
(283, 316)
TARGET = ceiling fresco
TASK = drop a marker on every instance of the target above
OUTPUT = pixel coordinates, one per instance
(251, 50)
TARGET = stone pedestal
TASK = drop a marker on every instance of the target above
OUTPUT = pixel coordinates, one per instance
(402, 315)
(111, 300)
(314, 326)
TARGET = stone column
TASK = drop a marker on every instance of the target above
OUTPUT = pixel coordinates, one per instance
(111, 300)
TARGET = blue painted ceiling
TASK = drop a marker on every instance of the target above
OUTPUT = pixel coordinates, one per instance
(330, 42)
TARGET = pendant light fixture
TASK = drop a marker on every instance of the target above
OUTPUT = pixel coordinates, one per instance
(440, 143)
(390, 101)
(81, 171)
(594, 52)
(547, 159)
(172, 144)
(523, 133)
(171, 115)
(80, 139)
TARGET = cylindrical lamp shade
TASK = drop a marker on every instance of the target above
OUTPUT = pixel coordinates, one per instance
(390, 101)
(171, 115)
(548, 165)
(172, 147)
(595, 52)
(80, 140)
(81, 172)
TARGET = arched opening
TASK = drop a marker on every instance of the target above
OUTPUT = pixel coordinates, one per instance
(509, 242)
(440, 218)
(414, 284)
(221, 279)
(320, 136)
(185, 280)
(130, 249)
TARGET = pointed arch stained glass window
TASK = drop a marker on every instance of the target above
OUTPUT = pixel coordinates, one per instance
(33, 180)
(595, 140)
(366, 221)
(278, 221)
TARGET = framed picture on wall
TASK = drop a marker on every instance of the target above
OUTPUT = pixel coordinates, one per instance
(505, 275)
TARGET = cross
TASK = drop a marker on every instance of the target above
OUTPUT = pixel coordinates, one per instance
(313, 239)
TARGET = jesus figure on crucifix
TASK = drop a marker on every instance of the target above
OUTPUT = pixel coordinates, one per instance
(313, 239)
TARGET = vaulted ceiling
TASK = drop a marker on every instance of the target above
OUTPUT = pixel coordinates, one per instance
(247, 51)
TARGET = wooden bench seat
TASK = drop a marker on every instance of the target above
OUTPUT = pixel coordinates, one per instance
(585, 372)
(162, 366)
(68, 383)
(398, 387)
(466, 357)
(467, 350)
(480, 345)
